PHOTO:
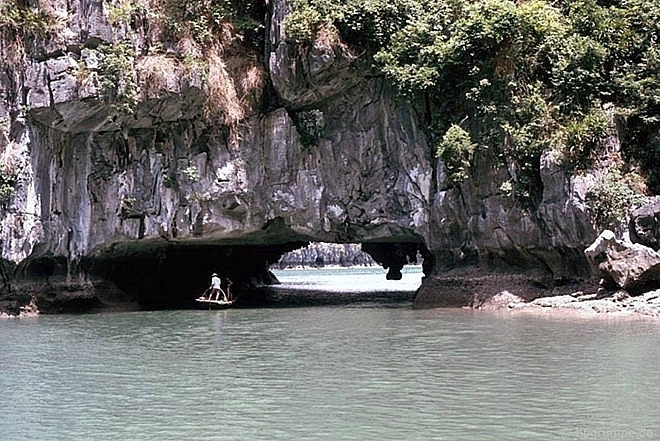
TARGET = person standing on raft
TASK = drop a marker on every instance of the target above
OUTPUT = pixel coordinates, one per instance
(216, 287)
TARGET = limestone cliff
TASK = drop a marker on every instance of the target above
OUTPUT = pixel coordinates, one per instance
(139, 190)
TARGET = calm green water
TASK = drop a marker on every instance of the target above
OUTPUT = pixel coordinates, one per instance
(360, 371)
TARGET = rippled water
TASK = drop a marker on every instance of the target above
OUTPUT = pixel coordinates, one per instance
(340, 372)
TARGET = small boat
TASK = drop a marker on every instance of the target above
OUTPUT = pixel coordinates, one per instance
(217, 304)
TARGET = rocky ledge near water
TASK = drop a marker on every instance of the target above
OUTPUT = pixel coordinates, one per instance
(618, 303)
(13, 309)
(517, 295)
(626, 280)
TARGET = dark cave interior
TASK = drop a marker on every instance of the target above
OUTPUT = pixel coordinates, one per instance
(159, 274)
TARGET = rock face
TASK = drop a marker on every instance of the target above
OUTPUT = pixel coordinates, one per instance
(632, 267)
(644, 224)
(122, 207)
(477, 222)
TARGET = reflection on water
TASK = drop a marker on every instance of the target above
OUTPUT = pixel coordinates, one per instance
(328, 373)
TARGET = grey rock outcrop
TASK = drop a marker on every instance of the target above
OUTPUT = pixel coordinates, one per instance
(479, 223)
(632, 267)
(644, 225)
(161, 173)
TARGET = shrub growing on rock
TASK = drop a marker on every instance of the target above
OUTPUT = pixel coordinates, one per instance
(612, 199)
(456, 150)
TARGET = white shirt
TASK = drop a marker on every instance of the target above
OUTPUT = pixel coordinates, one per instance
(215, 282)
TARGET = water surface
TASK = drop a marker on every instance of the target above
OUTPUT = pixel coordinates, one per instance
(357, 371)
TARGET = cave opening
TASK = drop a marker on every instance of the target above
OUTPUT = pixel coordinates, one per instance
(171, 275)
(344, 274)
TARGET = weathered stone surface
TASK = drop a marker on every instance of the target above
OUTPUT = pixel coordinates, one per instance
(644, 225)
(501, 301)
(477, 223)
(305, 77)
(633, 267)
(616, 304)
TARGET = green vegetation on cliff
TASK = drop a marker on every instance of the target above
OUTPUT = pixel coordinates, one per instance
(193, 39)
(520, 78)
(177, 41)
(21, 23)
(16, 18)
(206, 22)
(7, 184)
